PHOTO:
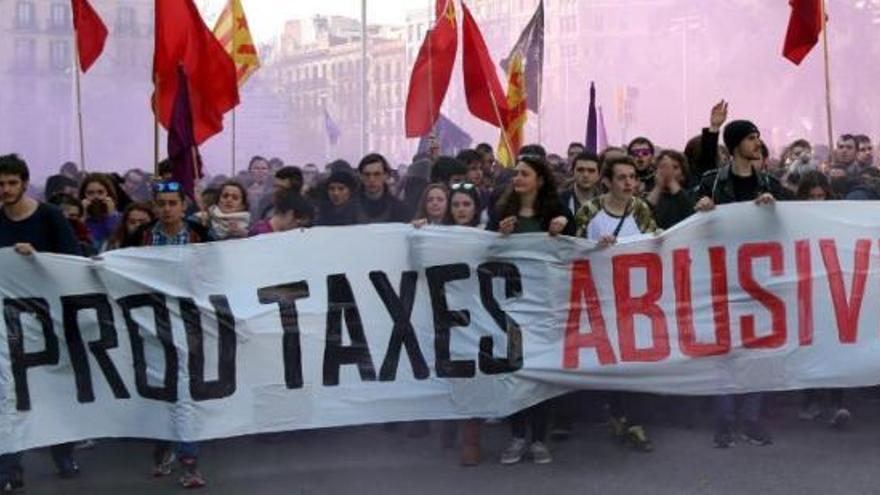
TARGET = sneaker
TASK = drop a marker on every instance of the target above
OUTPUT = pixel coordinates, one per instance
(191, 477)
(756, 434)
(68, 468)
(514, 452)
(638, 439)
(840, 418)
(810, 413)
(12, 485)
(724, 438)
(163, 463)
(539, 453)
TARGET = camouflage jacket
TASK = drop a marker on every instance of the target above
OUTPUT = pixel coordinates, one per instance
(639, 209)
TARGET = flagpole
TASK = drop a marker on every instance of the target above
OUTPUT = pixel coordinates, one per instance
(365, 119)
(233, 142)
(232, 15)
(827, 76)
(79, 119)
(431, 22)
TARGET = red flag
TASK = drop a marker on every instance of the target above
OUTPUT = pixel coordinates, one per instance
(183, 39)
(440, 8)
(431, 73)
(485, 97)
(91, 33)
(804, 27)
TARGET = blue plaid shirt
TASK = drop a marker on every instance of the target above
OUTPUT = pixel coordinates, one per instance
(160, 239)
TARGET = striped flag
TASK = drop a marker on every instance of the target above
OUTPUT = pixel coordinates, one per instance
(515, 121)
(531, 45)
(234, 34)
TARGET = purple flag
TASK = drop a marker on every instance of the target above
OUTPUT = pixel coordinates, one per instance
(591, 141)
(182, 150)
(602, 137)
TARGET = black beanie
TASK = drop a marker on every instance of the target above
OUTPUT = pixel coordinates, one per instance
(345, 178)
(736, 132)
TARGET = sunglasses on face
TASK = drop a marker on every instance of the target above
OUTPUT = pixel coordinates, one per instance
(462, 186)
(164, 187)
(641, 152)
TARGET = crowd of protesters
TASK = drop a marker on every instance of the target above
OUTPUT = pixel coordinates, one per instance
(621, 192)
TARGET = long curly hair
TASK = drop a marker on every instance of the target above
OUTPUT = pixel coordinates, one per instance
(547, 202)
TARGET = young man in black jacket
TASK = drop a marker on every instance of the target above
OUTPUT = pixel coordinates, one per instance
(375, 203)
(735, 182)
(30, 227)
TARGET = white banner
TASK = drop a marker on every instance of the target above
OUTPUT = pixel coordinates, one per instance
(341, 326)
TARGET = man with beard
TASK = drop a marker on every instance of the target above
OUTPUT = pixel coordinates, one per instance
(30, 227)
(735, 182)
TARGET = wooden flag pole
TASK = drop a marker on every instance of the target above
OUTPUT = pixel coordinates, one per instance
(233, 142)
(79, 119)
(232, 15)
(827, 77)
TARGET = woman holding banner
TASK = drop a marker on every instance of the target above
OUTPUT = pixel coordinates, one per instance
(530, 204)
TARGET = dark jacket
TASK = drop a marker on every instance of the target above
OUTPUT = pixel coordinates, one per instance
(143, 236)
(672, 208)
(717, 185)
(708, 156)
(386, 209)
(862, 192)
(329, 215)
(569, 229)
(568, 199)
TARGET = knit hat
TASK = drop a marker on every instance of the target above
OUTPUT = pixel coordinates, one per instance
(736, 132)
(342, 177)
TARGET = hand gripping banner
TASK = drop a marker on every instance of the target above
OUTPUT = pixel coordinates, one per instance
(342, 326)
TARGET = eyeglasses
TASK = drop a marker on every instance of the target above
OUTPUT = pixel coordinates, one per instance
(164, 187)
(641, 152)
(462, 186)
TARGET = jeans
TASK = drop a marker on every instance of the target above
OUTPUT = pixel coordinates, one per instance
(183, 450)
(629, 405)
(537, 416)
(750, 408)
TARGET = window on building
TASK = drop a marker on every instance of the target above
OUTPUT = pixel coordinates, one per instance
(59, 16)
(25, 53)
(126, 20)
(59, 55)
(24, 15)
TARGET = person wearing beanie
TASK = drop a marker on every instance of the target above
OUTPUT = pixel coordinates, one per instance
(338, 208)
(738, 131)
(735, 182)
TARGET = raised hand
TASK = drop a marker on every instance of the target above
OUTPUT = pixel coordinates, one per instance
(718, 116)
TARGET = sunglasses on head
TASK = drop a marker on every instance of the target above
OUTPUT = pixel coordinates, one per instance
(462, 186)
(164, 187)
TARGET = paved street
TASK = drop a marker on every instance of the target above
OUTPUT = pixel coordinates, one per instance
(806, 458)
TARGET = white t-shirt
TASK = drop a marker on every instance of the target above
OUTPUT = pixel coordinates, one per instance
(604, 224)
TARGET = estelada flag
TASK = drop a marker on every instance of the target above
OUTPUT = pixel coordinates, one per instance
(804, 27)
(531, 46)
(91, 33)
(235, 35)
(485, 97)
(512, 134)
(431, 73)
(183, 39)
